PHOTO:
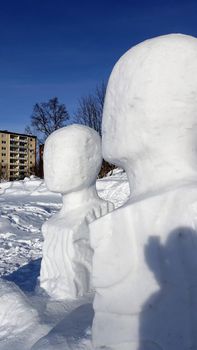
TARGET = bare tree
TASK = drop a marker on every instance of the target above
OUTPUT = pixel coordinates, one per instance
(100, 95)
(90, 109)
(89, 113)
(46, 118)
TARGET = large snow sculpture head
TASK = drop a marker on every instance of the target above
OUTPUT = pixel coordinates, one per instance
(150, 112)
(72, 158)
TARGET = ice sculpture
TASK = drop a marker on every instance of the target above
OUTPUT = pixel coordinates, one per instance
(145, 253)
(72, 160)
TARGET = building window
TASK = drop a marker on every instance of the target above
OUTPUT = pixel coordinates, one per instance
(3, 141)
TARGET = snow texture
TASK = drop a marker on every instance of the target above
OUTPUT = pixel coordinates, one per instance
(19, 320)
(72, 160)
(15, 312)
(54, 325)
(145, 262)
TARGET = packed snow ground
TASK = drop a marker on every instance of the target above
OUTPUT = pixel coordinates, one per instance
(24, 310)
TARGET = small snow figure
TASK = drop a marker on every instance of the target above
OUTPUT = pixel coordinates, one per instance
(145, 253)
(72, 160)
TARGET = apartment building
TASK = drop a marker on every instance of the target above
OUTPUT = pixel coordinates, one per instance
(17, 155)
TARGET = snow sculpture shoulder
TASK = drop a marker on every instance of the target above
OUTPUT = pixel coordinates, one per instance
(150, 129)
(72, 160)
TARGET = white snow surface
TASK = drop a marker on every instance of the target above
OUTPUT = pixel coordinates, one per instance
(28, 318)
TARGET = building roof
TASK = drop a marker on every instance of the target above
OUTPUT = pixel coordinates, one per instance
(16, 133)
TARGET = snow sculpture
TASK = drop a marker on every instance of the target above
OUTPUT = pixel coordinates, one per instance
(72, 160)
(145, 253)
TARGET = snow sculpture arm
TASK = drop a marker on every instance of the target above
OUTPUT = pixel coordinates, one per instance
(99, 210)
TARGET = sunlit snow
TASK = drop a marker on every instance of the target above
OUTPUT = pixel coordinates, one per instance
(24, 206)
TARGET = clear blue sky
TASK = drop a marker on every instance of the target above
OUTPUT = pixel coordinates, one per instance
(65, 48)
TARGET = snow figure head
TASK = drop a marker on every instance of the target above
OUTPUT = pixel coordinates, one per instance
(72, 158)
(150, 112)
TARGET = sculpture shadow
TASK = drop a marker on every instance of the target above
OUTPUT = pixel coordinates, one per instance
(26, 276)
(75, 326)
(168, 320)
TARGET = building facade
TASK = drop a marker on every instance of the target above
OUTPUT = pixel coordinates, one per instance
(17, 155)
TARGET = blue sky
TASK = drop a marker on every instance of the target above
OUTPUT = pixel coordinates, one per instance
(65, 48)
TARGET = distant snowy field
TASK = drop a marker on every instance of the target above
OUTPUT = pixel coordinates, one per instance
(24, 207)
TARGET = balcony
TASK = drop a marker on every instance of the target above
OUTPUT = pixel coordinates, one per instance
(13, 149)
(14, 167)
(23, 145)
(23, 139)
(14, 144)
(22, 167)
(13, 154)
(23, 155)
(23, 150)
(14, 161)
(14, 138)
(14, 173)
